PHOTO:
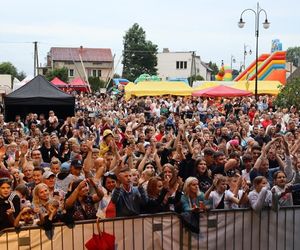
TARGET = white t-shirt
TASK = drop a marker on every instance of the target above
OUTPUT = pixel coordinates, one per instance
(260, 200)
(227, 200)
(216, 198)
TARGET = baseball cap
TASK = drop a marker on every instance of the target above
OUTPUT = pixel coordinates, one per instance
(107, 132)
(234, 142)
(76, 164)
(47, 174)
(65, 167)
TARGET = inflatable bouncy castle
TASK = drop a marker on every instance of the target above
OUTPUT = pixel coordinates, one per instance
(224, 74)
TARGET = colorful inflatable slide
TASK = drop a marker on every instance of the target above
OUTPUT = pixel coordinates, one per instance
(270, 67)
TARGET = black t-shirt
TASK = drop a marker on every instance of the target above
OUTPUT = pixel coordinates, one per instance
(228, 108)
(48, 153)
(187, 167)
(4, 219)
(215, 169)
(204, 182)
(273, 164)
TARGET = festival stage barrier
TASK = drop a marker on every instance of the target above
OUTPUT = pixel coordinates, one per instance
(227, 229)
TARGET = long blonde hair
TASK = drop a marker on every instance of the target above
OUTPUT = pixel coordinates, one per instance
(36, 199)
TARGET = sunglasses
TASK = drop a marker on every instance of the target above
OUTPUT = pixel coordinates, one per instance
(5, 180)
(109, 174)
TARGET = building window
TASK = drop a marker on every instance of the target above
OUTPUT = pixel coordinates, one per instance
(95, 73)
(71, 72)
(181, 65)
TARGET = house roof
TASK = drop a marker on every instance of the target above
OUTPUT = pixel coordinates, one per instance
(87, 54)
(206, 66)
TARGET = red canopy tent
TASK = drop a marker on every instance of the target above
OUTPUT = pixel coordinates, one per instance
(59, 83)
(221, 91)
(79, 85)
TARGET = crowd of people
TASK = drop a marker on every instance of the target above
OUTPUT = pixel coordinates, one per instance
(148, 155)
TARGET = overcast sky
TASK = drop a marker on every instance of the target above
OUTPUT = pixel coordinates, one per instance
(208, 27)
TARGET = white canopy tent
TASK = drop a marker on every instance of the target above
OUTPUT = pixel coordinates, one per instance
(17, 84)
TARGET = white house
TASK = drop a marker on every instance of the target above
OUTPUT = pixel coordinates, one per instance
(5, 85)
(181, 65)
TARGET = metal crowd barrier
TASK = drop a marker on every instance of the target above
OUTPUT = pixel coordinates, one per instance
(219, 230)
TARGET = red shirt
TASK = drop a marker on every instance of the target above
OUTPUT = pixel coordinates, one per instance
(158, 137)
(111, 210)
(251, 115)
(266, 123)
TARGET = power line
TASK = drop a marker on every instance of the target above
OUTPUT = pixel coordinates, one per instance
(10, 42)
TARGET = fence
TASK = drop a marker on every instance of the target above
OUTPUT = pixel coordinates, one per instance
(220, 230)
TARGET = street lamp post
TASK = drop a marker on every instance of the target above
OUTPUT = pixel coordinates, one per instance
(245, 54)
(266, 25)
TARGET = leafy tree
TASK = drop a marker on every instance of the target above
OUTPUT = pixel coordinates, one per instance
(96, 83)
(289, 94)
(139, 55)
(61, 73)
(8, 68)
(21, 75)
(195, 78)
(235, 73)
(293, 55)
(116, 75)
(213, 67)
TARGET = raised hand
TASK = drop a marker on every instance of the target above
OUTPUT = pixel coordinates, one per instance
(90, 144)
(129, 151)
(148, 151)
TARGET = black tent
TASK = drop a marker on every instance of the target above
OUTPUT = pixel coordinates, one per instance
(38, 96)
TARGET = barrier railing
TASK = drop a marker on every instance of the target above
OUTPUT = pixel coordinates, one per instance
(227, 229)
(244, 229)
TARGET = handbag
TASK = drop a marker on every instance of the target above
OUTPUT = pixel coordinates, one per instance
(101, 241)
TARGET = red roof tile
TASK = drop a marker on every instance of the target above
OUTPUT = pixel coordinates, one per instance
(87, 54)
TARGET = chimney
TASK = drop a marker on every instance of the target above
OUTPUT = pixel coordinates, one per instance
(166, 50)
(80, 50)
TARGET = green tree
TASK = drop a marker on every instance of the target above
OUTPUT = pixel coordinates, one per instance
(235, 73)
(96, 83)
(21, 75)
(116, 75)
(139, 55)
(289, 95)
(293, 55)
(195, 78)
(213, 67)
(61, 73)
(8, 68)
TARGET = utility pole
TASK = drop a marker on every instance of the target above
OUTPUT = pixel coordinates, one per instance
(193, 68)
(36, 59)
